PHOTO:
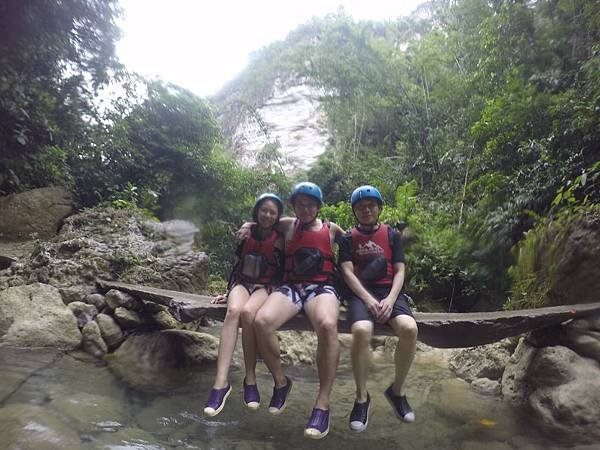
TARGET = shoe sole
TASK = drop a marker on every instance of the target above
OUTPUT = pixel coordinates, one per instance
(391, 402)
(313, 433)
(252, 405)
(364, 427)
(213, 412)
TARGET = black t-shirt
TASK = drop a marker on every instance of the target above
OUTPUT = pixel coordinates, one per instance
(345, 244)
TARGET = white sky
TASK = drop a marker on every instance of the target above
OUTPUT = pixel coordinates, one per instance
(203, 44)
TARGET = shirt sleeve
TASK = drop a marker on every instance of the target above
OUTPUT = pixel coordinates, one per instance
(345, 248)
(396, 244)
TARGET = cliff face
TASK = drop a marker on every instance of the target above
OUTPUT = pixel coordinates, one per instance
(290, 119)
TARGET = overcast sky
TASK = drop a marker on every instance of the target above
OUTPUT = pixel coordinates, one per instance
(201, 45)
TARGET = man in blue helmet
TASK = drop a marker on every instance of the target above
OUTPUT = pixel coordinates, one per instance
(308, 287)
(371, 260)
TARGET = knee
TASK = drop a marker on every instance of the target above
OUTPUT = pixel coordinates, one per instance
(248, 316)
(327, 326)
(361, 335)
(407, 328)
(233, 313)
(262, 322)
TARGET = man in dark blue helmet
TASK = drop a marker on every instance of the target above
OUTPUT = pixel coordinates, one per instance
(372, 264)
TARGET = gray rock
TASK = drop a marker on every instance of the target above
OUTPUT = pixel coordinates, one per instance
(38, 212)
(127, 319)
(561, 387)
(485, 386)
(92, 340)
(97, 300)
(487, 361)
(117, 299)
(165, 321)
(83, 312)
(110, 331)
(35, 316)
(76, 293)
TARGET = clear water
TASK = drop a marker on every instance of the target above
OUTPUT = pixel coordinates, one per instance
(103, 412)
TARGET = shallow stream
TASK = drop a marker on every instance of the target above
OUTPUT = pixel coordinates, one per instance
(68, 401)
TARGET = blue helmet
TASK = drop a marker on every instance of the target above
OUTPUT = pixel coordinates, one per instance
(267, 196)
(307, 188)
(365, 191)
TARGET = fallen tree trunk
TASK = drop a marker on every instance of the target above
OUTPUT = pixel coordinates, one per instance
(441, 330)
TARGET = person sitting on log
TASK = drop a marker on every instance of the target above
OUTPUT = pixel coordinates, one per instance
(371, 260)
(258, 270)
(308, 288)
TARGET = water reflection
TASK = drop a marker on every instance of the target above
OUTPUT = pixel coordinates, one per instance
(79, 404)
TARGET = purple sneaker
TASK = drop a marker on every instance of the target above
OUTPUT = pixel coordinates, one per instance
(216, 401)
(280, 396)
(251, 396)
(318, 424)
(400, 405)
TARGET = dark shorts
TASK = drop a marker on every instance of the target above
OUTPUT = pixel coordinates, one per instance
(300, 294)
(357, 310)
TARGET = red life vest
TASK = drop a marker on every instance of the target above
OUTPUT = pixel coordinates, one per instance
(309, 256)
(258, 264)
(372, 256)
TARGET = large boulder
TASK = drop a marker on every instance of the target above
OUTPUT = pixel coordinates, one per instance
(39, 211)
(35, 316)
(486, 361)
(559, 386)
(114, 244)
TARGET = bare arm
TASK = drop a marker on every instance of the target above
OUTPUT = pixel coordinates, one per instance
(282, 226)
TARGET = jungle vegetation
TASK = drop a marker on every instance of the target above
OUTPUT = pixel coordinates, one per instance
(478, 120)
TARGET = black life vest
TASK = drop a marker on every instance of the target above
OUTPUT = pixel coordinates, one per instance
(258, 263)
(372, 256)
(309, 256)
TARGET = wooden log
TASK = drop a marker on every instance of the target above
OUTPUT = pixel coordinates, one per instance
(441, 330)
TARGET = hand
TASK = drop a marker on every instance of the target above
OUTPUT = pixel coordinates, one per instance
(385, 310)
(373, 307)
(219, 299)
(243, 233)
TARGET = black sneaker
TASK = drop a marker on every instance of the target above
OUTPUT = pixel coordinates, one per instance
(359, 417)
(400, 405)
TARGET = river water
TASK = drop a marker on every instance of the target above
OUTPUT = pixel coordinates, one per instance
(52, 400)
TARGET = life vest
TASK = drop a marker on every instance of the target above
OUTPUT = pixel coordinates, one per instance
(258, 263)
(309, 256)
(372, 256)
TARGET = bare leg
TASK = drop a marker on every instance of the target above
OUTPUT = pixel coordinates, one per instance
(362, 332)
(236, 300)
(323, 312)
(405, 328)
(256, 300)
(276, 311)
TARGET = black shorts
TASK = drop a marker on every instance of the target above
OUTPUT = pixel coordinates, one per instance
(357, 310)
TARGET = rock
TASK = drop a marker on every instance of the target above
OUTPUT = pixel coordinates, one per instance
(39, 211)
(165, 321)
(485, 386)
(128, 319)
(297, 347)
(197, 347)
(35, 316)
(97, 300)
(83, 312)
(561, 387)
(26, 426)
(92, 340)
(290, 114)
(76, 293)
(150, 361)
(110, 331)
(117, 299)
(486, 361)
